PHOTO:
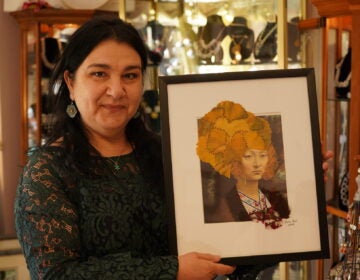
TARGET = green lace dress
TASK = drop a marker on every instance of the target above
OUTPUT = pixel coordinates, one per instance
(104, 226)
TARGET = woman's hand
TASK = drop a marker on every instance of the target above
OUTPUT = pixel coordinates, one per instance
(325, 165)
(199, 266)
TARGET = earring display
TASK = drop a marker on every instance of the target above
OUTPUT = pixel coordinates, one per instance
(151, 105)
(242, 40)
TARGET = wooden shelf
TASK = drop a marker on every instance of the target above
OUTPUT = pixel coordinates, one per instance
(336, 212)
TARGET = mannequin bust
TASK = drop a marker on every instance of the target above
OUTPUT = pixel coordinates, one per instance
(51, 49)
(242, 40)
(266, 45)
(209, 41)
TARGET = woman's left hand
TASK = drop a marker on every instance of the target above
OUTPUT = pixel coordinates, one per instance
(327, 155)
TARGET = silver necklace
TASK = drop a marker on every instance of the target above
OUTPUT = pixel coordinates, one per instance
(207, 50)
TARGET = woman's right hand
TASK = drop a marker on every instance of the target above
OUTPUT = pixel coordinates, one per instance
(200, 266)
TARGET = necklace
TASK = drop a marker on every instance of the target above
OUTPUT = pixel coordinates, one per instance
(44, 58)
(251, 204)
(238, 50)
(115, 163)
(263, 36)
(344, 83)
(207, 50)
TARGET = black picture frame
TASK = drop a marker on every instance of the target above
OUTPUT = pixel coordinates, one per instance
(290, 94)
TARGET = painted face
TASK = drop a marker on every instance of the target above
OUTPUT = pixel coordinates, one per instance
(251, 166)
(107, 88)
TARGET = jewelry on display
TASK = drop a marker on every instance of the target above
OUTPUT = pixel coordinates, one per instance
(151, 105)
(237, 48)
(242, 38)
(154, 112)
(71, 110)
(293, 40)
(207, 50)
(55, 50)
(266, 51)
(343, 76)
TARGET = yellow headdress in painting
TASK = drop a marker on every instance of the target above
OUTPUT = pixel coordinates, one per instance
(226, 132)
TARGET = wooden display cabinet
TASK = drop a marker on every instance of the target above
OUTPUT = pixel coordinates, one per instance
(36, 28)
(350, 8)
(339, 21)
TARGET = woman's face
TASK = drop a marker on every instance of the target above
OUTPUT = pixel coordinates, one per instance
(107, 88)
(251, 166)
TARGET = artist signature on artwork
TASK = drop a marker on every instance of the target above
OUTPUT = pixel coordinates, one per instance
(290, 222)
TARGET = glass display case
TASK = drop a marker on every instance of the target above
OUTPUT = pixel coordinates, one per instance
(202, 36)
(183, 37)
(43, 36)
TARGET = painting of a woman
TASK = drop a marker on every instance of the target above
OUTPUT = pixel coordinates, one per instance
(238, 165)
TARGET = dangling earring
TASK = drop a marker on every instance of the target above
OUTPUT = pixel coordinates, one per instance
(71, 110)
(137, 114)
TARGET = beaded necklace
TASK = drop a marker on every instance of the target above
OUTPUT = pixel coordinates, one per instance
(207, 50)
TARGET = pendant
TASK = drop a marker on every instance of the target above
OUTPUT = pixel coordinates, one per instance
(116, 166)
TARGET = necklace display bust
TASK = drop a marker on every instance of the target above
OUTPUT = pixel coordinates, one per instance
(209, 48)
(266, 46)
(242, 40)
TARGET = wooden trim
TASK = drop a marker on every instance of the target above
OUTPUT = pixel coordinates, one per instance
(333, 8)
(23, 93)
(341, 22)
(37, 85)
(336, 211)
(57, 15)
(9, 244)
(324, 95)
(311, 23)
(17, 263)
(354, 123)
(320, 269)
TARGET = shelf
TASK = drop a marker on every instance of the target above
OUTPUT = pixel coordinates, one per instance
(336, 212)
(339, 99)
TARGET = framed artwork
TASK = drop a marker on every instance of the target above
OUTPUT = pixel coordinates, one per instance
(243, 165)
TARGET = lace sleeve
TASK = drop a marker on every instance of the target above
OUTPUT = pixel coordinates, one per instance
(47, 228)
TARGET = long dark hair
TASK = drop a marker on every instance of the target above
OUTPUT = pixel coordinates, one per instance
(68, 132)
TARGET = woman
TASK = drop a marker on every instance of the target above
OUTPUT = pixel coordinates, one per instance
(90, 202)
(238, 145)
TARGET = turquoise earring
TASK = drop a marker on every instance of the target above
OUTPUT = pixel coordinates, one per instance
(71, 110)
